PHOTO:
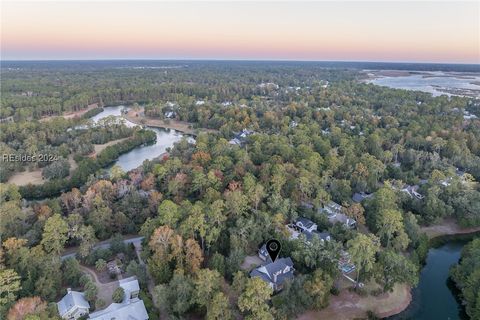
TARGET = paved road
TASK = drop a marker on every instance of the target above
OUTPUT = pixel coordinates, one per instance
(137, 241)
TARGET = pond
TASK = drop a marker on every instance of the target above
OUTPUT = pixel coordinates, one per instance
(432, 298)
(134, 158)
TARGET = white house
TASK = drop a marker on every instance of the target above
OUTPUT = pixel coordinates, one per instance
(131, 308)
(73, 305)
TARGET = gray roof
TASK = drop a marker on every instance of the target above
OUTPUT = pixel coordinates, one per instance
(73, 299)
(282, 267)
(305, 222)
(321, 235)
(133, 310)
(359, 197)
(129, 285)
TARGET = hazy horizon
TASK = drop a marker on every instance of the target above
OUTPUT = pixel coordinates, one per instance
(355, 31)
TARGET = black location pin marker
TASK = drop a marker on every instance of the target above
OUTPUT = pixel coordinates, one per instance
(273, 248)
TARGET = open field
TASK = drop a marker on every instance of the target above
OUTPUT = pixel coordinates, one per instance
(447, 227)
(349, 305)
(138, 117)
(100, 147)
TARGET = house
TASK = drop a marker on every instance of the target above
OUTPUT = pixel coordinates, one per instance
(275, 273)
(170, 114)
(263, 253)
(335, 214)
(332, 208)
(199, 102)
(359, 197)
(305, 224)
(241, 137)
(226, 103)
(73, 305)
(131, 308)
(323, 236)
(341, 218)
(412, 191)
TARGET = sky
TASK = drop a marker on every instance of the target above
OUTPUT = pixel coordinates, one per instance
(407, 31)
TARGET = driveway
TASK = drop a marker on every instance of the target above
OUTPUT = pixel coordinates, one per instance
(105, 290)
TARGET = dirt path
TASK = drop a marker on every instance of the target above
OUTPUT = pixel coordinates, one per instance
(105, 290)
(447, 227)
(71, 114)
(349, 305)
(100, 147)
(138, 117)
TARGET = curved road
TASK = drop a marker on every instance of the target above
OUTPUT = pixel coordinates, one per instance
(137, 242)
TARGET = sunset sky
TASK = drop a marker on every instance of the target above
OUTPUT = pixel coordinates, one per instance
(415, 31)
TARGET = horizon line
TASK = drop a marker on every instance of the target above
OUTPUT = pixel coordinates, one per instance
(233, 60)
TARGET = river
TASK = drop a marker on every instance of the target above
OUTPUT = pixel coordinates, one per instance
(134, 158)
(436, 83)
(432, 299)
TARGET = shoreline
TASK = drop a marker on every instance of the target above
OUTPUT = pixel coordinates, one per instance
(349, 305)
(138, 117)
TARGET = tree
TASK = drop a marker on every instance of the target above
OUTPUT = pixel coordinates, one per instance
(71, 272)
(254, 298)
(55, 234)
(118, 295)
(87, 240)
(219, 308)
(139, 271)
(389, 223)
(395, 268)
(356, 212)
(217, 262)
(318, 287)
(466, 276)
(193, 256)
(90, 290)
(176, 296)
(56, 170)
(207, 283)
(101, 265)
(362, 250)
(27, 307)
(168, 213)
(9, 287)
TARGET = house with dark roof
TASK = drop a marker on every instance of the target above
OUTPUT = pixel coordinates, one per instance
(263, 253)
(275, 273)
(360, 196)
(73, 305)
(240, 138)
(322, 236)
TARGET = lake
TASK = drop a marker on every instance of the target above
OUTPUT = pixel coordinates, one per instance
(436, 83)
(432, 298)
(134, 158)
